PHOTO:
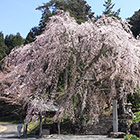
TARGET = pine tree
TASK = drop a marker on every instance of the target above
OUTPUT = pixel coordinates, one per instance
(8, 43)
(32, 34)
(3, 47)
(13, 40)
(79, 9)
(19, 39)
(135, 22)
(108, 9)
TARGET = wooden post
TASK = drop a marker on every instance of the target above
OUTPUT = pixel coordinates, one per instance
(58, 128)
(40, 126)
(115, 116)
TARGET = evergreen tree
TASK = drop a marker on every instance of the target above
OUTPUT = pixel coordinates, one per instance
(19, 40)
(13, 40)
(32, 34)
(79, 9)
(3, 47)
(108, 9)
(135, 22)
(8, 43)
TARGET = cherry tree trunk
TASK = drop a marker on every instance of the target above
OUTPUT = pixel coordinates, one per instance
(40, 126)
(66, 80)
(58, 128)
(25, 129)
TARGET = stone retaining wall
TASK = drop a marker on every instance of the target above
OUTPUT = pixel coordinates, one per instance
(104, 126)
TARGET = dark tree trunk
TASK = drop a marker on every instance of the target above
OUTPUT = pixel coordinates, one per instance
(40, 126)
(58, 128)
(65, 80)
(25, 129)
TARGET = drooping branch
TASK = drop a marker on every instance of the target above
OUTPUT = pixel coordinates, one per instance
(104, 51)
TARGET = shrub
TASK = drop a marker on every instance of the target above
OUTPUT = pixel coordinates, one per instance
(137, 117)
(131, 137)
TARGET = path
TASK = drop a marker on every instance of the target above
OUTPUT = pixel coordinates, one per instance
(11, 133)
(82, 137)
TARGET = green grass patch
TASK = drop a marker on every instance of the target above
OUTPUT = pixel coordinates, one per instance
(33, 126)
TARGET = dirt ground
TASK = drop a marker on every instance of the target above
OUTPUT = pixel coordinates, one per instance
(11, 133)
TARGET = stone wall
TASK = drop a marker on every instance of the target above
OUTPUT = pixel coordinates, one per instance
(104, 126)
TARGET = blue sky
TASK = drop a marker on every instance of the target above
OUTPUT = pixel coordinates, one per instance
(21, 16)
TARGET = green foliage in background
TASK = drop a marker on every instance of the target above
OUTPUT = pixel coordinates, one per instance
(3, 47)
(79, 9)
(134, 99)
(8, 43)
(32, 34)
(135, 22)
(12, 41)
